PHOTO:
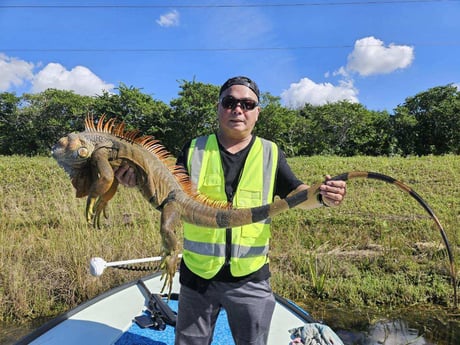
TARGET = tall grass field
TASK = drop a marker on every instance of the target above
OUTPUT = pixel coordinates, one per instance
(379, 248)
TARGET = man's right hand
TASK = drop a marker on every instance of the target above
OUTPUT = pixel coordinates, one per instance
(126, 176)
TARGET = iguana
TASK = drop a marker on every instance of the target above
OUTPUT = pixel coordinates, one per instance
(90, 157)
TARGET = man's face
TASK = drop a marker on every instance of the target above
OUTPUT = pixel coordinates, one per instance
(238, 111)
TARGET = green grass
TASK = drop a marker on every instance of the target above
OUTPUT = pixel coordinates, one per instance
(379, 248)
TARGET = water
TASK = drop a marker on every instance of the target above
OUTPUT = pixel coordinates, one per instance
(412, 326)
(10, 333)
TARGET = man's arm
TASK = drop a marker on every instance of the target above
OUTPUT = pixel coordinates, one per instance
(287, 183)
(332, 192)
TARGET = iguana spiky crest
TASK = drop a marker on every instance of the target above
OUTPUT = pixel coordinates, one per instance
(152, 145)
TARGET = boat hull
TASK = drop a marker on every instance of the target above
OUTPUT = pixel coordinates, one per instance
(109, 319)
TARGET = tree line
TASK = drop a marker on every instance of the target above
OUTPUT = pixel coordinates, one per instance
(427, 123)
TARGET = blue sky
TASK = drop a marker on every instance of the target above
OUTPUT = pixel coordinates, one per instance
(374, 52)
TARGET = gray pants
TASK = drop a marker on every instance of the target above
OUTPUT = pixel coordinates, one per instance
(249, 307)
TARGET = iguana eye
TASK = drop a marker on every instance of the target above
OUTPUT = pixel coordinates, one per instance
(83, 152)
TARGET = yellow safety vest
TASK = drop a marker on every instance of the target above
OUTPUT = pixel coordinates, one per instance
(204, 248)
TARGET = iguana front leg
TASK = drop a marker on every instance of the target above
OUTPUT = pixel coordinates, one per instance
(102, 184)
(170, 223)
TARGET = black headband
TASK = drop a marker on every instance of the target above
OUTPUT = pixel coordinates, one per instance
(240, 81)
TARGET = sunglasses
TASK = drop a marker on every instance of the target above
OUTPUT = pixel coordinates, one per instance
(230, 102)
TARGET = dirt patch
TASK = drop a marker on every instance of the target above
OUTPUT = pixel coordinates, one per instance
(376, 250)
(370, 251)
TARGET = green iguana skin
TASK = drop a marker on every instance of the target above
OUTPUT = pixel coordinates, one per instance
(90, 158)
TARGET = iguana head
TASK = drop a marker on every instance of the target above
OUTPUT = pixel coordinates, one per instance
(73, 152)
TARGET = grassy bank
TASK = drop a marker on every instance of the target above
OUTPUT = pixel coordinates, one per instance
(379, 248)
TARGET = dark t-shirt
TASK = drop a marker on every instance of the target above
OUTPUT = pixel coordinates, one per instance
(232, 164)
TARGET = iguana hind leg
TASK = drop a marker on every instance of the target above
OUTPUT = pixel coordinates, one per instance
(170, 223)
(100, 207)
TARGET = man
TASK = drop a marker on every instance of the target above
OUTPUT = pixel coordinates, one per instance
(229, 268)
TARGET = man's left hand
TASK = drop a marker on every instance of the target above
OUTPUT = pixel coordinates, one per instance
(333, 191)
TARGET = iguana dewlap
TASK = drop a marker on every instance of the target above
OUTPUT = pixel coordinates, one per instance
(90, 157)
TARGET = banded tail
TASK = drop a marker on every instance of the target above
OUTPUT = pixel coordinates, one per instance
(308, 199)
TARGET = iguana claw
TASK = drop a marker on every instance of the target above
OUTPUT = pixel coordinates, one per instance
(99, 208)
(169, 268)
(94, 208)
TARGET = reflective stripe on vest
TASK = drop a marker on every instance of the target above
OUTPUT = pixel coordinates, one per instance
(204, 248)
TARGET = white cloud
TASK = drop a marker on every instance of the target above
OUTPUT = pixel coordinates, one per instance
(169, 19)
(14, 72)
(307, 91)
(80, 80)
(371, 57)
(342, 72)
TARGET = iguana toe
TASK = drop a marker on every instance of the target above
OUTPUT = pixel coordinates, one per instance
(89, 212)
(100, 208)
(169, 268)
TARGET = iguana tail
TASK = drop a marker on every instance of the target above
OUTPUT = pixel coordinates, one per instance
(308, 199)
(229, 218)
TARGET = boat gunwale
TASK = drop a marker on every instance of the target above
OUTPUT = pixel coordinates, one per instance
(68, 314)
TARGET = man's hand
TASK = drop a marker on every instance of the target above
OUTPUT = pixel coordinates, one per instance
(333, 192)
(126, 176)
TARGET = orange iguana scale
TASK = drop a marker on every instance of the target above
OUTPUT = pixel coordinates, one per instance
(90, 158)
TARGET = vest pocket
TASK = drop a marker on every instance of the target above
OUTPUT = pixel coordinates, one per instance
(251, 231)
(212, 180)
(211, 184)
(248, 198)
(207, 235)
